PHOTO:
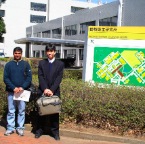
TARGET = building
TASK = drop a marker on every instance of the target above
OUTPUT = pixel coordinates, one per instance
(23, 13)
(68, 33)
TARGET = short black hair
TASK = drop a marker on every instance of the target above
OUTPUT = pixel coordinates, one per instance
(50, 47)
(17, 49)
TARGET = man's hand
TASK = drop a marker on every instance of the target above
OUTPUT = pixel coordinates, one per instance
(16, 90)
(20, 89)
(48, 92)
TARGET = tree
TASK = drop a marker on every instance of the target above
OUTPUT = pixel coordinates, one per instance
(2, 24)
(2, 27)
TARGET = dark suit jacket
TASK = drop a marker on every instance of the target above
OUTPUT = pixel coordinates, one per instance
(50, 77)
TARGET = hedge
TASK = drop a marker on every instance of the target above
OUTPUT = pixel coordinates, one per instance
(118, 109)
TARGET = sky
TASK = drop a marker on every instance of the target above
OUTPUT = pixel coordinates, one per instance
(103, 1)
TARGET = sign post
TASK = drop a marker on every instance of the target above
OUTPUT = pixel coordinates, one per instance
(115, 55)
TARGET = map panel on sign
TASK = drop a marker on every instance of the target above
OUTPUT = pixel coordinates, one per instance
(122, 66)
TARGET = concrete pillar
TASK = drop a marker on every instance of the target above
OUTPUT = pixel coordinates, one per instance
(50, 33)
(40, 53)
(27, 50)
(31, 50)
(77, 62)
(61, 51)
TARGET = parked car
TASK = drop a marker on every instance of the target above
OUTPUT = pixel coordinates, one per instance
(71, 56)
(2, 55)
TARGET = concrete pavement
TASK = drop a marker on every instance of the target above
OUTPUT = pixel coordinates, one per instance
(67, 137)
(28, 138)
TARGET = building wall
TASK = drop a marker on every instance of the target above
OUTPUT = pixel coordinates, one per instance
(60, 8)
(133, 13)
(49, 25)
(130, 13)
(86, 15)
(93, 14)
(17, 18)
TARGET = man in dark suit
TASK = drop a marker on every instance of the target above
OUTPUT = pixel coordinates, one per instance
(50, 72)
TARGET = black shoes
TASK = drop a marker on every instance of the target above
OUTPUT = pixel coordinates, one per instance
(38, 133)
(56, 137)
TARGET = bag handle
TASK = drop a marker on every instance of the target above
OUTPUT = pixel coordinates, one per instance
(43, 96)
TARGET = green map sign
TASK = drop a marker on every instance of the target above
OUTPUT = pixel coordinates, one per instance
(115, 54)
(122, 66)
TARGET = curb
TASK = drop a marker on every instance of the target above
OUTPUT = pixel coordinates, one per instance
(90, 136)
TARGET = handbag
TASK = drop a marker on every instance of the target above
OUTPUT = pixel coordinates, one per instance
(48, 105)
(32, 88)
(34, 93)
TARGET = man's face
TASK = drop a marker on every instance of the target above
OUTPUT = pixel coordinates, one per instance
(17, 55)
(50, 54)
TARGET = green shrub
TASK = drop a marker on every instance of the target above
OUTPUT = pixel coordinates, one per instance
(69, 62)
(118, 109)
(4, 59)
(34, 62)
(115, 108)
(72, 74)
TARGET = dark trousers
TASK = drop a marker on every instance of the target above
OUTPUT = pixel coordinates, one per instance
(49, 123)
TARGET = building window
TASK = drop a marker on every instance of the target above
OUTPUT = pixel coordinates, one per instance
(43, 53)
(74, 9)
(33, 53)
(38, 7)
(2, 13)
(57, 55)
(28, 35)
(46, 34)
(37, 34)
(67, 30)
(37, 54)
(71, 53)
(37, 19)
(1, 39)
(83, 26)
(111, 21)
(56, 33)
(71, 30)
(81, 53)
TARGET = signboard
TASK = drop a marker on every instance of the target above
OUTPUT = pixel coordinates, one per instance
(117, 58)
(128, 33)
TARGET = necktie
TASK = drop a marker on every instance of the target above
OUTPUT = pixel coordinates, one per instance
(50, 66)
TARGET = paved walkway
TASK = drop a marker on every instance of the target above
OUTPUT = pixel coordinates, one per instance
(28, 138)
(66, 137)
